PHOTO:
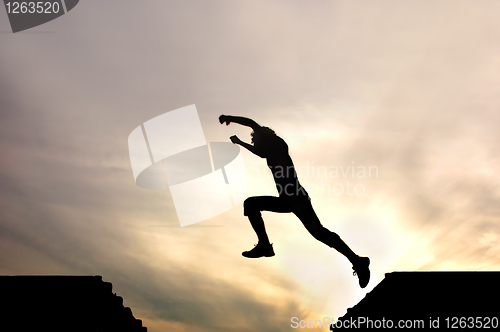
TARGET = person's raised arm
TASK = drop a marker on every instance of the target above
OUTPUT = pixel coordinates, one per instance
(239, 120)
(249, 147)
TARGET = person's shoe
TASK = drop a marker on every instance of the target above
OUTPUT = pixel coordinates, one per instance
(260, 250)
(362, 271)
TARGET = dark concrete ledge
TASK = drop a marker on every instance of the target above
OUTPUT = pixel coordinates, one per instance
(63, 303)
(463, 300)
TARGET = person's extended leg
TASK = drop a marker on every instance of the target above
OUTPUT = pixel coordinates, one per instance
(252, 209)
(310, 220)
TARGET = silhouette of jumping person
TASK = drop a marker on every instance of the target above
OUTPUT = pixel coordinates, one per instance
(292, 197)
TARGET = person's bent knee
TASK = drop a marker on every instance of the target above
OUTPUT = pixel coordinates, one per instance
(324, 235)
(317, 231)
(331, 239)
(250, 207)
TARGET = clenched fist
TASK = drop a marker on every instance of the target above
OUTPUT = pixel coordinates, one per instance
(224, 118)
(235, 139)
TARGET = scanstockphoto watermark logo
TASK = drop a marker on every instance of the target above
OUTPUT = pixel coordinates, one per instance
(25, 15)
(363, 323)
(205, 179)
(322, 180)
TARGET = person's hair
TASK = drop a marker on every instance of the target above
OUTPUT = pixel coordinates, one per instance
(264, 131)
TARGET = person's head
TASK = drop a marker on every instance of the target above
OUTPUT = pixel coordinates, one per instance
(261, 135)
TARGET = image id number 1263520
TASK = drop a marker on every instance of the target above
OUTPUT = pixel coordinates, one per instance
(471, 322)
(39, 7)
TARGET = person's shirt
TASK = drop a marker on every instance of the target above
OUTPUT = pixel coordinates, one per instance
(275, 150)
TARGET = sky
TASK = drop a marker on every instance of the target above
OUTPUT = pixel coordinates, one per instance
(408, 89)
